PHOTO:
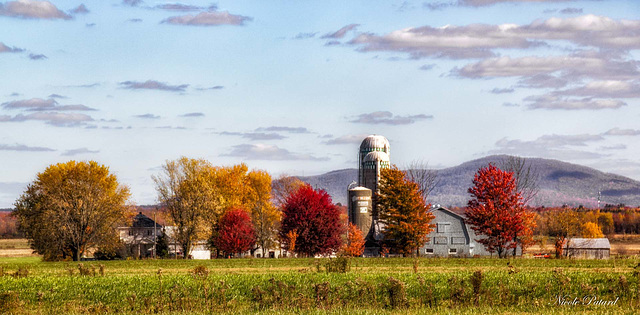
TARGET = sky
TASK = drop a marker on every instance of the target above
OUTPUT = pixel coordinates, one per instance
(292, 87)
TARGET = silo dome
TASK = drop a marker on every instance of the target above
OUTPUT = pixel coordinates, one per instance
(375, 143)
(376, 156)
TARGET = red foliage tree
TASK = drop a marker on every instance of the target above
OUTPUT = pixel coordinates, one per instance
(496, 210)
(236, 233)
(316, 220)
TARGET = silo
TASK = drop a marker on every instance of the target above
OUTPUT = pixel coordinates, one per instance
(360, 207)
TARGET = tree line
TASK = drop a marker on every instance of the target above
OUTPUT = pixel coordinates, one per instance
(73, 207)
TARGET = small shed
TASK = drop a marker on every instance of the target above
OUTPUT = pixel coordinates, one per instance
(590, 248)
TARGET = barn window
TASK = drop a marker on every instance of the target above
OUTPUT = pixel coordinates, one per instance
(458, 240)
(443, 227)
(428, 251)
(453, 251)
(440, 240)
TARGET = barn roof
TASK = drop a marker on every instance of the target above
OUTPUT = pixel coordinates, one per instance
(143, 221)
(588, 243)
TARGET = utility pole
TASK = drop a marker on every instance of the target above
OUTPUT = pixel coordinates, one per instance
(155, 233)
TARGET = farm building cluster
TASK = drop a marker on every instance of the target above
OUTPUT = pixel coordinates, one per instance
(451, 237)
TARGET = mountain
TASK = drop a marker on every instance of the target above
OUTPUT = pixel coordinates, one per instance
(559, 183)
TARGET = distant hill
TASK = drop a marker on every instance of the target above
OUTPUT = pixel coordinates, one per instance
(560, 183)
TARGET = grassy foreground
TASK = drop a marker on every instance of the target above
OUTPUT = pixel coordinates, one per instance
(370, 286)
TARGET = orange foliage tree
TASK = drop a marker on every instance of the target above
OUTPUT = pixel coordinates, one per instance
(355, 242)
(496, 211)
(403, 212)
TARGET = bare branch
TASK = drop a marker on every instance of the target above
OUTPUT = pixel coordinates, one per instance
(527, 176)
(427, 179)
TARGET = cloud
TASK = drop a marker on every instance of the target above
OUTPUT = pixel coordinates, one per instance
(56, 96)
(341, 32)
(37, 57)
(427, 67)
(132, 3)
(502, 91)
(254, 136)
(23, 148)
(540, 81)
(333, 43)
(134, 20)
(552, 146)
(439, 5)
(284, 129)
(81, 9)
(78, 151)
(268, 152)
(52, 118)
(622, 132)
(387, 118)
(214, 18)
(147, 116)
(605, 88)
(6, 49)
(305, 35)
(572, 67)
(30, 104)
(198, 114)
(153, 85)
(217, 87)
(31, 9)
(90, 85)
(38, 104)
(347, 139)
(508, 104)
(480, 40)
(614, 147)
(554, 102)
(571, 11)
(179, 7)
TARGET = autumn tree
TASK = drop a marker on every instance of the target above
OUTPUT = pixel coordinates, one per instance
(402, 211)
(496, 212)
(185, 190)
(355, 242)
(236, 186)
(591, 230)
(283, 187)
(236, 233)
(72, 207)
(562, 224)
(315, 220)
(264, 214)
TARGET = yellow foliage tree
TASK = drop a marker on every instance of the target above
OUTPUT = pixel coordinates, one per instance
(72, 207)
(186, 192)
(591, 230)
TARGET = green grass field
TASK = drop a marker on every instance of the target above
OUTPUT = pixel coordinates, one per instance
(371, 286)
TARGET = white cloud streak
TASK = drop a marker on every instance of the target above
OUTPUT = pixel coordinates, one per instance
(215, 18)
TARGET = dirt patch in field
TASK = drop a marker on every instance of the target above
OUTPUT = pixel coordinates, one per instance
(17, 252)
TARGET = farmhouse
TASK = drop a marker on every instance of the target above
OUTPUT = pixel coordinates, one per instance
(591, 248)
(141, 236)
(140, 239)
